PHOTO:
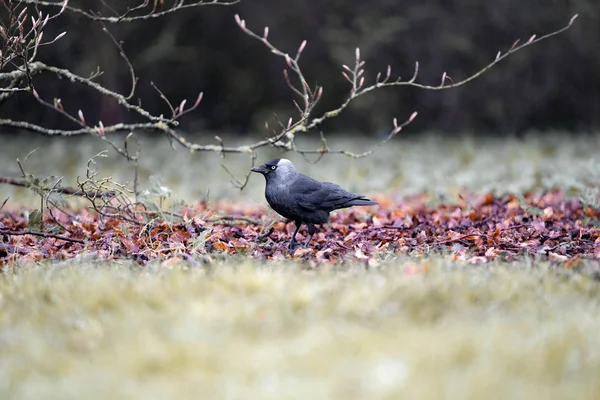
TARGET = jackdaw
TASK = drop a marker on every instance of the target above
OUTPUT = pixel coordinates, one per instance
(303, 199)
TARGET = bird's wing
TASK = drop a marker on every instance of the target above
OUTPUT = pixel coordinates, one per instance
(314, 195)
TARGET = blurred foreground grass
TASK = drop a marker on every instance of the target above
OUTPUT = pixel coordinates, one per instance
(412, 328)
(425, 330)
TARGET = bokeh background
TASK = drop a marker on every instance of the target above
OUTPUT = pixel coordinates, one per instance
(554, 85)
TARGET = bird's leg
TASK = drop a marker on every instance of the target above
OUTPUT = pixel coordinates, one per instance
(311, 232)
(293, 241)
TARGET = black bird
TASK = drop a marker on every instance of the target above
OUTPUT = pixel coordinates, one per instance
(303, 199)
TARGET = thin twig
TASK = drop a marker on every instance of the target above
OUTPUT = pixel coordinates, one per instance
(222, 218)
(179, 6)
(63, 190)
(42, 234)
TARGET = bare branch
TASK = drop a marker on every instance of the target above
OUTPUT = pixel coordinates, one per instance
(63, 190)
(119, 45)
(127, 16)
(386, 83)
(499, 57)
(42, 234)
(303, 89)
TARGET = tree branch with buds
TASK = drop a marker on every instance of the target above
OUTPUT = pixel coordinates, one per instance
(356, 77)
(146, 10)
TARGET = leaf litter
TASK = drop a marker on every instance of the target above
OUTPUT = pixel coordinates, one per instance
(475, 229)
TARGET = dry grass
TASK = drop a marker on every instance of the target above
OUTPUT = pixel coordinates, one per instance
(280, 331)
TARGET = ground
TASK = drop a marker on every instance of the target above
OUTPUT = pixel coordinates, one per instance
(424, 329)
(416, 324)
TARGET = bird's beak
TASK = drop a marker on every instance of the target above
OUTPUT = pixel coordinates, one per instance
(261, 169)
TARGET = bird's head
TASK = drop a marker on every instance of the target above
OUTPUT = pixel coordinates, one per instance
(279, 168)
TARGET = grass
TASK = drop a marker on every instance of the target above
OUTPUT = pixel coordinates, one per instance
(427, 328)
(282, 331)
(436, 164)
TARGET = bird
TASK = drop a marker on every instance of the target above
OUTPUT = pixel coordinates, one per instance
(303, 199)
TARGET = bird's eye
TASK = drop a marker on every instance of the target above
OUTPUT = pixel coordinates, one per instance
(273, 167)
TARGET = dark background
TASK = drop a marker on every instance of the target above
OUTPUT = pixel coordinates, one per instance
(554, 85)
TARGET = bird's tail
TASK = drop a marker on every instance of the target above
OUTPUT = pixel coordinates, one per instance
(362, 202)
